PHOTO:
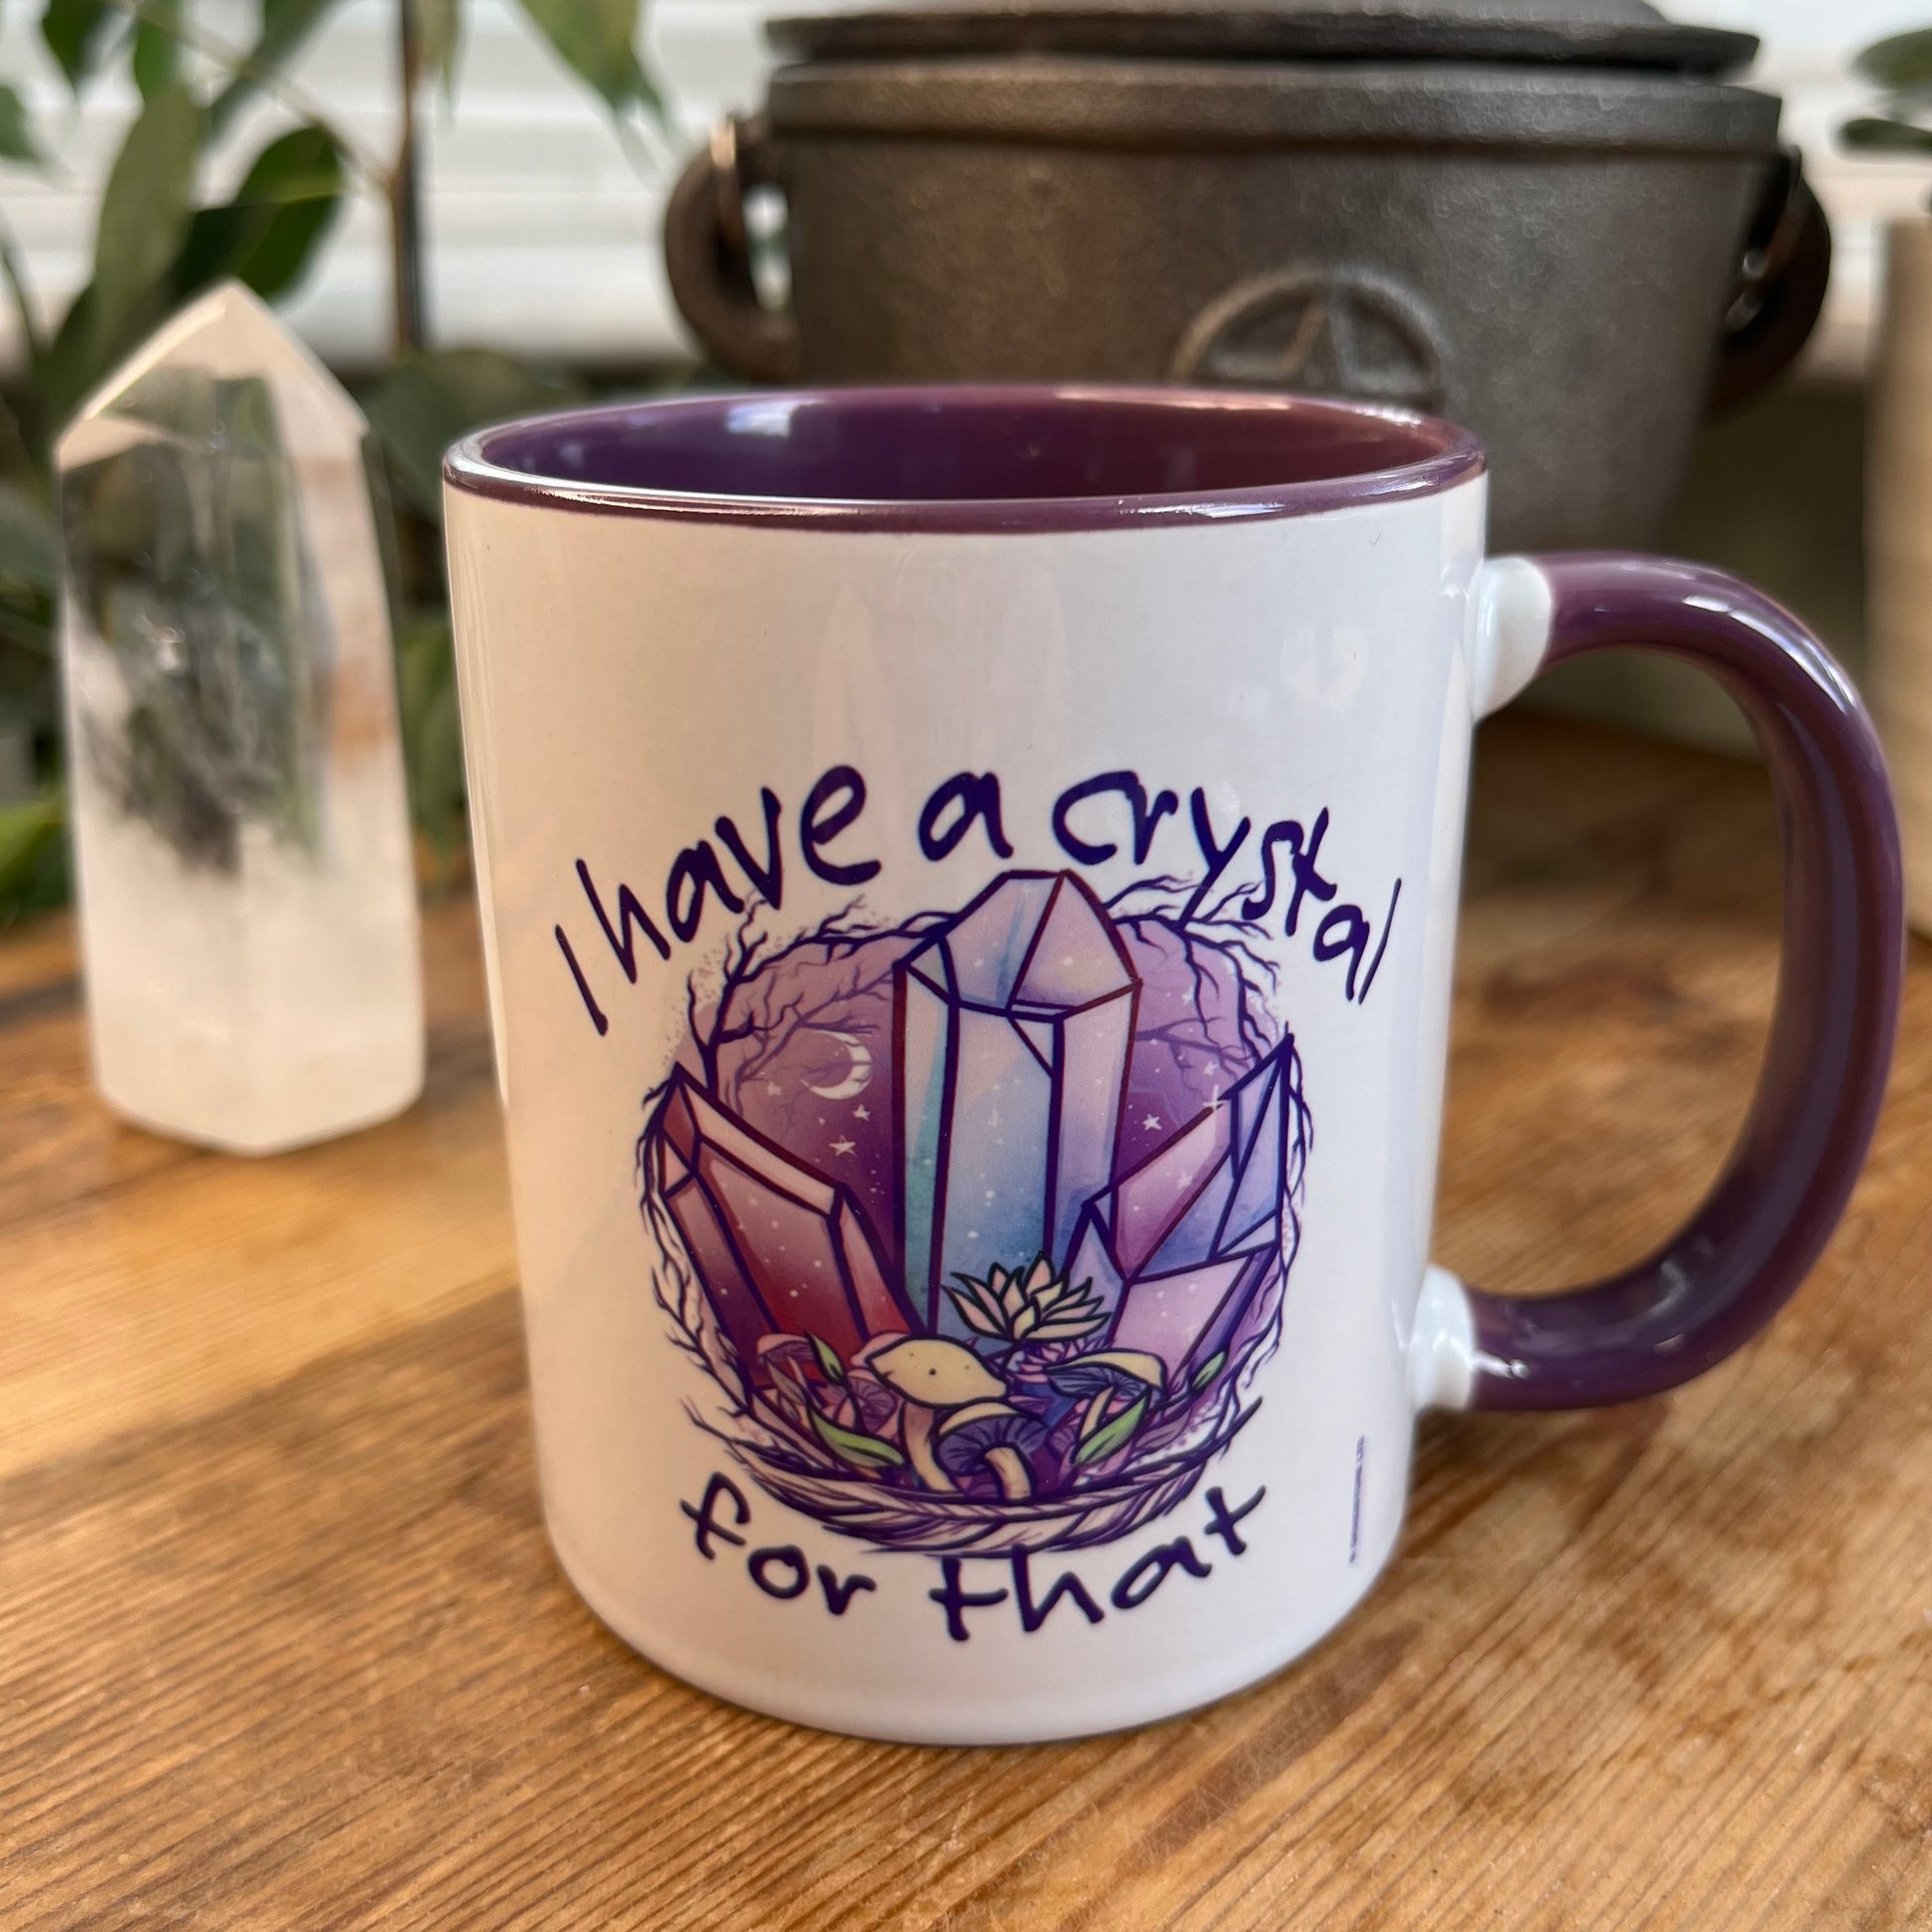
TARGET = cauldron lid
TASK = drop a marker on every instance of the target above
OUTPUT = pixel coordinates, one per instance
(1582, 33)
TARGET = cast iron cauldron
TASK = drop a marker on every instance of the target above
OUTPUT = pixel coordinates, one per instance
(1553, 221)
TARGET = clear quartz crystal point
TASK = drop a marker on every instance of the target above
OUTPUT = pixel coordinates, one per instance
(242, 828)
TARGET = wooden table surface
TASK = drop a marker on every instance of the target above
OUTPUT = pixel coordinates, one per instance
(282, 1645)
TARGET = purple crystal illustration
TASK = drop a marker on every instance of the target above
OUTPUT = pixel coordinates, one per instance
(982, 1223)
(1015, 1021)
(1176, 1248)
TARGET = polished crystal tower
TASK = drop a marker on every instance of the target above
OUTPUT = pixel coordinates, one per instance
(1014, 1021)
(241, 829)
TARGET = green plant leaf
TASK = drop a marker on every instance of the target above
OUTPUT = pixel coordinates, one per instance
(268, 235)
(1207, 1372)
(1899, 63)
(31, 340)
(144, 215)
(828, 1360)
(27, 551)
(1109, 1436)
(285, 25)
(17, 141)
(157, 46)
(597, 40)
(442, 797)
(27, 832)
(438, 31)
(1875, 135)
(15, 276)
(426, 402)
(27, 665)
(71, 30)
(432, 730)
(17, 457)
(867, 1452)
(69, 363)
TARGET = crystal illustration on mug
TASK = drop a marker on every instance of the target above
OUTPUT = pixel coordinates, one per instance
(982, 1224)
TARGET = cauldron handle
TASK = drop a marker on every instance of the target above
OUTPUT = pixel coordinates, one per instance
(707, 255)
(1780, 287)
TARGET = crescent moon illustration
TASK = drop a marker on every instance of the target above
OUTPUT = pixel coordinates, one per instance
(858, 1075)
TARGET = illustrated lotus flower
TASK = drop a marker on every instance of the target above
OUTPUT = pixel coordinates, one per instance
(1032, 1304)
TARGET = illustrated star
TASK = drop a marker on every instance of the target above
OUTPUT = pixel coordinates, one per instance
(1152, 1122)
(843, 1147)
(862, 1112)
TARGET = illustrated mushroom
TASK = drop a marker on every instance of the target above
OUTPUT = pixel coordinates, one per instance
(932, 1377)
(997, 1434)
(1097, 1379)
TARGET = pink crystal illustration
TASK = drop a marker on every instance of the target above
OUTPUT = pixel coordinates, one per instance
(982, 1224)
(781, 1250)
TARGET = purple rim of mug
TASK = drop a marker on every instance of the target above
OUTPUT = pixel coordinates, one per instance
(971, 459)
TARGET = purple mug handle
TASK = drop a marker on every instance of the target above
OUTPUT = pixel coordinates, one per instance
(1722, 1276)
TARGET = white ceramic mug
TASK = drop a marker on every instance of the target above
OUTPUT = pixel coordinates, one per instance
(970, 887)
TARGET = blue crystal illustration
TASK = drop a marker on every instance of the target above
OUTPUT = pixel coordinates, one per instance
(1021, 1306)
(1178, 1247)
(1014, 1022)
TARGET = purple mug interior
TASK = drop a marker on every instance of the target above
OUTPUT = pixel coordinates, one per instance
(974, 458)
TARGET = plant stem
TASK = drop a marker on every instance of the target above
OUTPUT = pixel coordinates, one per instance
(404, 190)
(408, 329)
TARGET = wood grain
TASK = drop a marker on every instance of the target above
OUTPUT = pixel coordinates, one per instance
(281, 1643)
(147, 1281)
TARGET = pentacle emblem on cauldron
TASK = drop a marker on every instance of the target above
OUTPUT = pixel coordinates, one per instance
(981, 1223)
(1322, 331)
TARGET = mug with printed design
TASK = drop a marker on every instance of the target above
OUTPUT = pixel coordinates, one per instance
(969, 884)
